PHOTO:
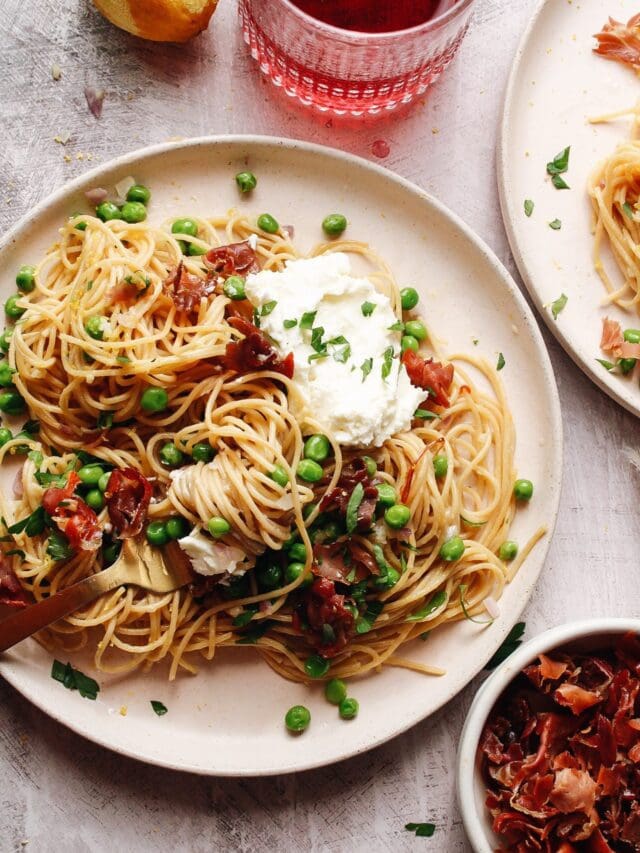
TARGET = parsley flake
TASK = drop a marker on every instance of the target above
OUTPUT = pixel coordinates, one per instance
(366, 367)
(289, 324)
(353, 505)
(158, 707)
(510, 644)
(368, 308)
(421, 830)
(365, 623)
(528, 207)
(559, 183)
(58, 547)
(427, 609)
(268, 307)
(628, 210)
(555, 225)
(73, 679)
(501, 362)
(306, 321)
(608, 365)
(560, 163)
(387, 362)
(558, 305)
(396, 327)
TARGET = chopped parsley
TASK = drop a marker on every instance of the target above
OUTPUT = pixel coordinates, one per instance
(317, 343)
(368, 308)
(558, 305)
(556, 225)
(396, 327)
(105, 420)
(58, 547)
(73, 679)
(123, 359)
(268, 307)
(246, 616)
(341, 349)
(421, 830)
(36, 457)
(366, 367)
(32, 525)
(501, 362)
(306, 321)
(425, 415)
(559, 183)
(465, 608)
(628, 210)
(528, 207)
(253, 634)
(510, 644)
(427, 609)
(289, 324)
(608, 365)
(159, 708)
(353, 506)
(560, 163)
(365, 623)
(387, 362)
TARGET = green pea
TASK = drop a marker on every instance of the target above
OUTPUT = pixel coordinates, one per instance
(409, 298)
(6, 374)
(157, 533)
(409, 342)
(298, 552)
(371, 465)
(110, 553)
(348, 708)
(5, 340)
(293, 571)
(25, 278)
(632, 336)
(183, 246)
(139, 193)
(103, 482)
(185, 226)
(386, 494)
(297, 719)
(328, 533)
(154, 400)
(508, 550)
(107, 210)
(90, 474)
(397, 516)
(194, 250)
(246, 181)
(307, 509)
(177, 527)
(234, 288)
(269, 576)
(309, 471)
(389, 579)
(80, 226)
(317, 447)
(11, 307)
(133, 211)
(170, 455)
(5, 436)
(316, 666)
(93, 327)
(523, 490)
(416, 328)
(626, 365)
(335, 691)
(94, 499)
(202, 452)
(452, 549)
(218, 526)
(440, 465)
(334, 224)
(279, 476)
(267, 223)
(12, 403)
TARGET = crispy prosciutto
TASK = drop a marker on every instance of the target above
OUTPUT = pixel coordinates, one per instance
(433, 376)
(560, 754)
(127, 495)
(187, 290)
(613, 343)
(353, 472)
(254, 352)
(73, 517)
(339, 559)
(233, 259)
(323, 618)
(620, 42)
(11, 593)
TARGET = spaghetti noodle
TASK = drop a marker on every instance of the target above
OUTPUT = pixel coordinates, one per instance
(102, 327)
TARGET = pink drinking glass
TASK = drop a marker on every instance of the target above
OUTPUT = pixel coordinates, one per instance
(346, 71)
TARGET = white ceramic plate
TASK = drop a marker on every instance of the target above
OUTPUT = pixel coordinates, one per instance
(229, 720)
(557, 83)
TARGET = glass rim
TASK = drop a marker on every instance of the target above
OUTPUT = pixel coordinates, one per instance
(431, 24)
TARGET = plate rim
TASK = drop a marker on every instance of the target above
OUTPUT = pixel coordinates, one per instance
(498, 268)
(508, 211)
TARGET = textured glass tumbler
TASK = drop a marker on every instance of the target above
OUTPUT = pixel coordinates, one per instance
(344, 71)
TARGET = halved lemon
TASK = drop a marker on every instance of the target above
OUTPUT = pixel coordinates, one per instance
(159, 20)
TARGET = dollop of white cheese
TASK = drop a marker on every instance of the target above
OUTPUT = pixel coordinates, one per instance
(209, 557)
(348, 374)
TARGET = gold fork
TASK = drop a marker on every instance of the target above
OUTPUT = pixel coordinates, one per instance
(156, 569)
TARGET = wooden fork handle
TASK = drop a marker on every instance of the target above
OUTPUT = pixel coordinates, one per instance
(24, 623)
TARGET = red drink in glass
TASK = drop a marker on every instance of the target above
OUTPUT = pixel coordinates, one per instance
(354, 56)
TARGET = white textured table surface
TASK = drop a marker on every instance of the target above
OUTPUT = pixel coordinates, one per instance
(61, 793)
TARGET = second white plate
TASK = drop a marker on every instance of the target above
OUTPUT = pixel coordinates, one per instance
(556, 85)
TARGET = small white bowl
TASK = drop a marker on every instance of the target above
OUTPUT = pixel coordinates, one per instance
(470, 786)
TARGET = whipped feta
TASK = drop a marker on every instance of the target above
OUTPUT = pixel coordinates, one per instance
(209, 557)
(349, 375)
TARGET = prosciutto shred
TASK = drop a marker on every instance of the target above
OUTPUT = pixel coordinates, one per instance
(353, 472)
(232, 259)
(187, 290)
(560, 754)
(254, 352)
(620, 42)
(73, 516)
(127, 495)
(11, 593)
(433, 376)
(339, 559)
(323, 617)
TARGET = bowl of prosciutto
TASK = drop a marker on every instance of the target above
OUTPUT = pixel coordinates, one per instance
(549, 758)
